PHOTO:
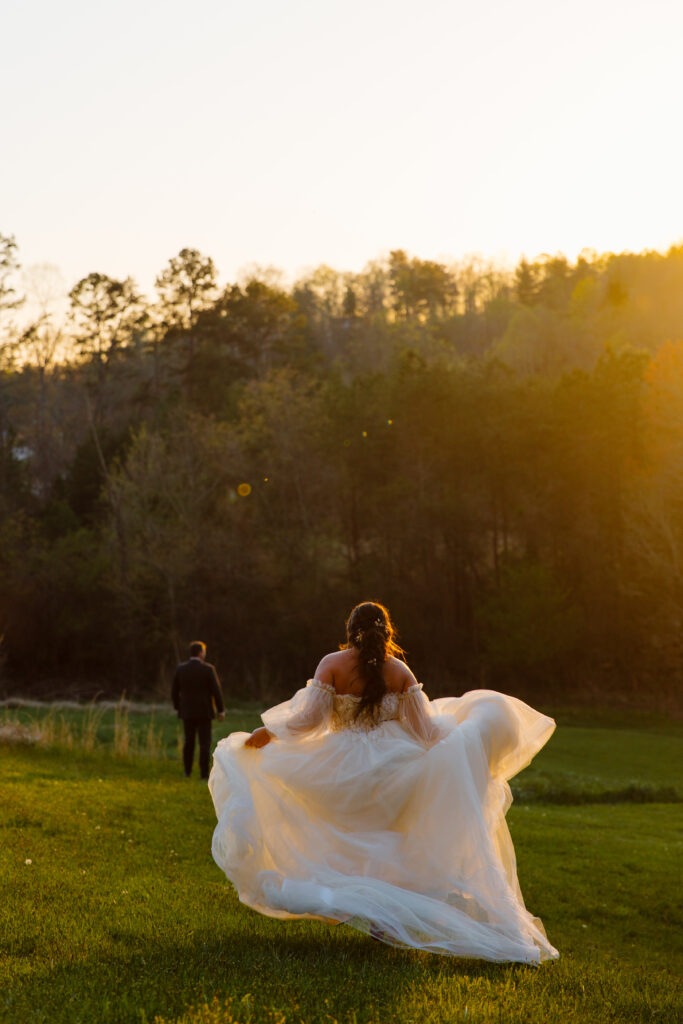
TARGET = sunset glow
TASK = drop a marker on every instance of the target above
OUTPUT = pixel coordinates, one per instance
(305, 133)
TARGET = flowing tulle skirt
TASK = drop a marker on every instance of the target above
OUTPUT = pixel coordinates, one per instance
(375, 830)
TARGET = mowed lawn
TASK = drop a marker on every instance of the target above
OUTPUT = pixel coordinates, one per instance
(113, 910)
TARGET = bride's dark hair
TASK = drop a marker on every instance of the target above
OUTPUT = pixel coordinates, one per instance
(370, 630)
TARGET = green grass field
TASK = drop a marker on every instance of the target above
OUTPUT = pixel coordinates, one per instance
(112, 909)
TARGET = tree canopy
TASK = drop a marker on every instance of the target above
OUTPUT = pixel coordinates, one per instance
(495, 454)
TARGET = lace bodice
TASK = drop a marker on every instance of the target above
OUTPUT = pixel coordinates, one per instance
(318, 708)
(345, 706)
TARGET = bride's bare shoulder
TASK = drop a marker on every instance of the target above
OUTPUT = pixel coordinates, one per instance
(397, 675)
(333, 664)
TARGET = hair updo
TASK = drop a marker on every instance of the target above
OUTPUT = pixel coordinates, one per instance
(371, 632)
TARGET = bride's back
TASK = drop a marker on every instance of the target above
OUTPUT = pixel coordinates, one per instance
(342, 670)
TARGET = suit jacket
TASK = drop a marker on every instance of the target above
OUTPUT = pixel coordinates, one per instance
(196, 691)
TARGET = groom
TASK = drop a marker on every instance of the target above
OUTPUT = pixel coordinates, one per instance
(196, 696)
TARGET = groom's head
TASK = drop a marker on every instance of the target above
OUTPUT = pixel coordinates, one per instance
(198, 649)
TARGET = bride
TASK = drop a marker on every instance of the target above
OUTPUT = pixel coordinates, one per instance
(361, 801)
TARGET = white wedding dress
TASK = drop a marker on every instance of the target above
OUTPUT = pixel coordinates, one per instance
(395, 826)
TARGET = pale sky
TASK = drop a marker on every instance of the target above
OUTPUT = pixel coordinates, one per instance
(331, 131)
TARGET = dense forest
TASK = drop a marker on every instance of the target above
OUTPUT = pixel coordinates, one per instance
(496, 454)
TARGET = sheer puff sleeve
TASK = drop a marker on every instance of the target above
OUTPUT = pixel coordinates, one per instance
(415, 716)
(307, 714)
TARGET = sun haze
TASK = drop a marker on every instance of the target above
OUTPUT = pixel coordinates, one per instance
(297, 133)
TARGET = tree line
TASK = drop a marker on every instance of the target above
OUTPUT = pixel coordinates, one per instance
(496, 454)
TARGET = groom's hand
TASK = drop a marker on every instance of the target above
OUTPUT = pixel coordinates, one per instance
(258, 738)
(220, 716)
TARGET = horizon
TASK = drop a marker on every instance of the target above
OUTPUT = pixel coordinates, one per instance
(59, 300)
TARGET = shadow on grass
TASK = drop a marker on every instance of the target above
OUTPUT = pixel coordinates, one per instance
(576, 795)
(317, 975)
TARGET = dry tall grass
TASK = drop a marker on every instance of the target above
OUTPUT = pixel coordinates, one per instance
(54, 730)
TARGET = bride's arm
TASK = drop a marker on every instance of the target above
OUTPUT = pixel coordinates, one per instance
(259, 737)
(307, 712)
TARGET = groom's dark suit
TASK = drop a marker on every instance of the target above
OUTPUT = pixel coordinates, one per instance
(196, 695)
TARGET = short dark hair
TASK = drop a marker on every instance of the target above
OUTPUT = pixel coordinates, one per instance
(197, 648)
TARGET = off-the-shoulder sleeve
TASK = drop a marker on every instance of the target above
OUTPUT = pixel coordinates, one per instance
(306, 713)
(415, 716)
